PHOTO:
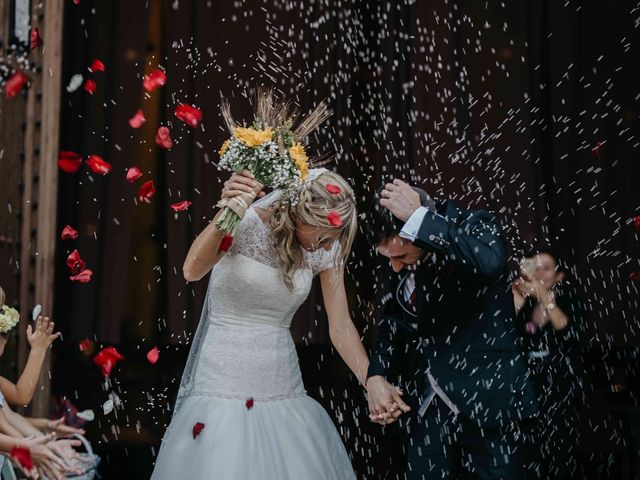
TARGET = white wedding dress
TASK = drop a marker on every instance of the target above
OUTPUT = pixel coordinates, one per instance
(243, 382)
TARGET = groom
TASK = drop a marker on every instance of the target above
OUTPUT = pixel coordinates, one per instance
(447, 337)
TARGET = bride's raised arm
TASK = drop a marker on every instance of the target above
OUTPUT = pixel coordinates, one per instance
(205, 250)
(344, 335)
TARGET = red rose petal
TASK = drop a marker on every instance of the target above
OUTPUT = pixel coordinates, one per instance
(133, 174)
(333, 189)
(15, 84)
(163, 138)
(137, 120)
(595, 151)
(69, 161)
(180, 206)
(197, 429)
(155, 79)
(188, 114)
(636, 222)
(153, 355)
(98, 165)
(106, 359)
(634, 275)
(69, 233)
(75, 262)
(249, 404)
(96, 66)
(85, 345)
(23, 457)
(83, 277)
(225, 243)
(334, 219)
(90, 86)
(36, 40)
(147, 190)
(77, 2)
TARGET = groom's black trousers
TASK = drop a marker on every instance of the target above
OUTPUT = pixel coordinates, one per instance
(442, 446)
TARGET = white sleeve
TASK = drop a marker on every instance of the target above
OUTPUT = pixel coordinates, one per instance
(412, 227)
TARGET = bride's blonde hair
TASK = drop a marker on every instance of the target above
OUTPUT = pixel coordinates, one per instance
(314, 202)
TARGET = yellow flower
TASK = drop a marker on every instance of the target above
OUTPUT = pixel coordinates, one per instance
(300, 157)
(224, 147)
(251, 137)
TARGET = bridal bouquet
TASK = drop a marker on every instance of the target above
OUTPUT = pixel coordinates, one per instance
(270, 149)
(9, 318)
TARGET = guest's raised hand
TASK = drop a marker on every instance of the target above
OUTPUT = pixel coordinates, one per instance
(61, 429)
(400, 199)
(42, 336)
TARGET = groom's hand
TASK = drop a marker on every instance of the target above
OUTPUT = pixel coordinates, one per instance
(400, 199)
(385, 401)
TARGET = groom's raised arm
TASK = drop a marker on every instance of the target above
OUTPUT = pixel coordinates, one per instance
(473, 240)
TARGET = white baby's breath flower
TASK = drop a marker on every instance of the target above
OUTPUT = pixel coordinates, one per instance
(9, 318)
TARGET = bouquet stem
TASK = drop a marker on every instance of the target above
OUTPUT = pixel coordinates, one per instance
(228, 221)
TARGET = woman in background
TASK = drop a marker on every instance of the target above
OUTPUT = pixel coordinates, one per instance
(549, 317)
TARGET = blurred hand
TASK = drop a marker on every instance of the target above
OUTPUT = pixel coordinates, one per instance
(61, 430)
(42, 337)
(64, 450)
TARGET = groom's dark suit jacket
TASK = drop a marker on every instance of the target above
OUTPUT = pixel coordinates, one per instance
(464, 328)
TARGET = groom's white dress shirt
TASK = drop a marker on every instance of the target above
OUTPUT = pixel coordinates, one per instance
(410, 232)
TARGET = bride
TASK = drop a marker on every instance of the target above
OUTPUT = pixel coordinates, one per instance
(242, 411)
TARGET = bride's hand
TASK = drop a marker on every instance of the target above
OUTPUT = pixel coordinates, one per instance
(241, 184)
(385, 402)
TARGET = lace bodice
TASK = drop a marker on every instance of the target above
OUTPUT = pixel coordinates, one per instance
(253, 240)
(247, 350)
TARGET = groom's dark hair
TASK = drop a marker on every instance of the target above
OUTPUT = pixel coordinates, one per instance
(382, 224)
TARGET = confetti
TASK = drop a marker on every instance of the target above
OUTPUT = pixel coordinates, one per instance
(197, 429)
(69, 233)
(15, 84)
(181, 206)
(163, 138)
(98, 165)
(188, 114)
(147, 191)
(133, 174)
(137, 120)
(69, 162)
(153, 355)
(155, 79)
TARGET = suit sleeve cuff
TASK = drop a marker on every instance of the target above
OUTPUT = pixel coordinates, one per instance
(376, 369)
(412, 227)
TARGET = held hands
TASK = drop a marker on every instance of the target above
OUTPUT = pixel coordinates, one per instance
(400, 199)
(42, 337)
(240, 191)
(385, 402)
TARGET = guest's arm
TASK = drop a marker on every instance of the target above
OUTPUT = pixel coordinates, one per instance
(39, 339)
